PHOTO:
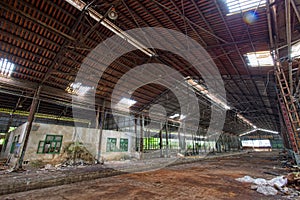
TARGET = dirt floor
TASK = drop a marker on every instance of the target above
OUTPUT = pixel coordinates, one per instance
(207, 179)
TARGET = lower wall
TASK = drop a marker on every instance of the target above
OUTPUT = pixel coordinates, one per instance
(86, 137)
(118, 154)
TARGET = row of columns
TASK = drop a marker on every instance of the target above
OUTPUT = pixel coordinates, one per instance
(224, 143)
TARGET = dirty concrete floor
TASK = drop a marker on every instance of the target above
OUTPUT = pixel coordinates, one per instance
(207, 179)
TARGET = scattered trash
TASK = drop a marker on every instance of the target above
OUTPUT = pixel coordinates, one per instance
(260, 181)
(263, 186)
(48, 166)
(266, 190)
(179, 155)
(278, 182)
(10, 170)
(58, 165)
(245, 179)
(254, 187)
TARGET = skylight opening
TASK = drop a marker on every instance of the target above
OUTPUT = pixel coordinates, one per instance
(259, 59)
(125, 103)
(6, 67)
(78, 89)
(296, 50)
(238, 6)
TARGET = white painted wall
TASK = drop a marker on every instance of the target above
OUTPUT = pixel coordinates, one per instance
(87, 136)
(118, 135)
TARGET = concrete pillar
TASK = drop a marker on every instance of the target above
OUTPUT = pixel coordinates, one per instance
(167, 139)
(160, 140)
(97, 118)
(142, 135)
(102, 120)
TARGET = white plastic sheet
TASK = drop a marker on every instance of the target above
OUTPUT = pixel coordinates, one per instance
(266, 187)
(266, 190)
(245, 179)
(260, 181)
(279, 181)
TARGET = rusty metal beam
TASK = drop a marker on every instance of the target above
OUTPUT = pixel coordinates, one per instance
(50, 28)
(33, 109)
(237, 49)
(190, 22)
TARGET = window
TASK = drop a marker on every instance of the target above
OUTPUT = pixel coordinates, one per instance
(111, 145)
(2, 141)
(6, 67)
(123, 144)
(51, 145)
(237, 6)
(259, 59)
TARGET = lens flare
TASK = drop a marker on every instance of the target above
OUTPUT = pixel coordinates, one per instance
(250, 17)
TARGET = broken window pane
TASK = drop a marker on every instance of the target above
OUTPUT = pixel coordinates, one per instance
(52, 144)
(111, 145)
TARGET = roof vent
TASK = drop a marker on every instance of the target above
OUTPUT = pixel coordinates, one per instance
(238, 6)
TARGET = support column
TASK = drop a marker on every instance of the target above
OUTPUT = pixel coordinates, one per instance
(33, 108)
(135, 133)
(97, 118)
(167, 139)
(141, 138)
(288, 41)
(102, 120)
(160, 140)
(179, 138)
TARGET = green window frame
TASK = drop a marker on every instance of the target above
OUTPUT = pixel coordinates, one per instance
(111, 145)
(51, 145)
(123, 144)
(14, 144)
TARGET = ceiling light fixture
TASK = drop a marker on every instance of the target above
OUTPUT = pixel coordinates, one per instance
(112, 14)
(215, 99)
(245, 120)
(259, 129)
(205, 92)
(80, 5)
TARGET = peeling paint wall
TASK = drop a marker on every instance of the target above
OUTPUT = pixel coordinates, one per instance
(20, 131)
(87, 137)
(118, 135)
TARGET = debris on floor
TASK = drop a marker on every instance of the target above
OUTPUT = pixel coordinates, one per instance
(266, 190)
(74, 155)
(209, 178)
(285, 185)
